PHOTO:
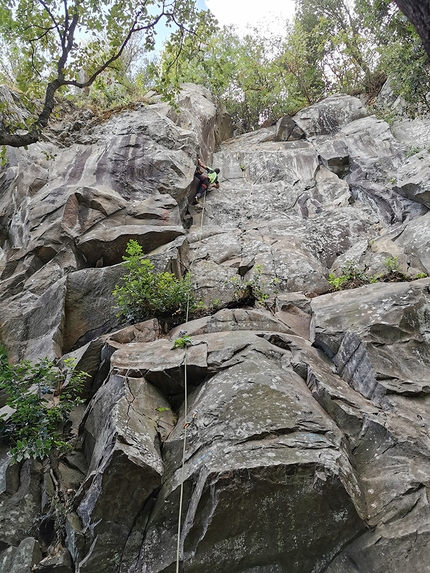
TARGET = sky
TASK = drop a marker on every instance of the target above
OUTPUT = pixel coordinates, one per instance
(242, 14)
(250, 12)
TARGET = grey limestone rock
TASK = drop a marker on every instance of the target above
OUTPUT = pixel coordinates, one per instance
(329, 115)
(21, 559)
(293, 432)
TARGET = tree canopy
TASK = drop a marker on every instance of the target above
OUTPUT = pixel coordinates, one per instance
(349, 46)
(55, 45)
(332, 46)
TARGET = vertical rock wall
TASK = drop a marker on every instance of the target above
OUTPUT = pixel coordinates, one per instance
(304, 444)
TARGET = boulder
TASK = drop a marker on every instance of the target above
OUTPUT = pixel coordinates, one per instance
(163, 366)
(396, 545)
(22, 558)
(20, 504)
(56, 564)
(369, 334)
(412, 178)
(239, 494)
(330, 115)
(411, 242)
(121, 444)
(89, 305)
(200, 113)
(334, 155)
(288, 130)
(31, 327)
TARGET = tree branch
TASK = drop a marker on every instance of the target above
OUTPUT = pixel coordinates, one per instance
(117, 55)
(54, 21)
(66, 33)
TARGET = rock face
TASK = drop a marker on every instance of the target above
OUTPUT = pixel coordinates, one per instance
(303, 442)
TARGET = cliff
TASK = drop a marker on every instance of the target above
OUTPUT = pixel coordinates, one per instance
(303, 445)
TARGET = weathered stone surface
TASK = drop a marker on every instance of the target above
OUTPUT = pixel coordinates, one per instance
(201, 119)
(377, 158)
(228, 471)
(109, 245)
(395, 547)
(334, 155)
(21, 559)
(412, 244)
(31, 327)
(413, 178)
(297, 225)
(56, 564)
(87, 359)
(66, 208)
(121, 444)
(288, 130)
(307, 424)
(228, 320)
(89, 305)
(414, 132)
(382, 322)
(328, 116)
(146, 331)
(377, 440)
(20, 502)
(163, 366)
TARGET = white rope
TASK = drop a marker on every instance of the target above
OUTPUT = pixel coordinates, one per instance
(203, 212)
(184, 446)
(181, 495)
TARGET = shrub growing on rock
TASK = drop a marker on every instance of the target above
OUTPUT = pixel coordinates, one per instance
(40, 397)
(351, 277)
(147, 294)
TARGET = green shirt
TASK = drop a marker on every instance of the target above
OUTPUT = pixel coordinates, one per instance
(212, 175)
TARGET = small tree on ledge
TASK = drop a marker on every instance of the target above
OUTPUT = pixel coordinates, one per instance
(147, 294)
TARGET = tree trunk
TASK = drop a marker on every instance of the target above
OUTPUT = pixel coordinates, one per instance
(418, 12)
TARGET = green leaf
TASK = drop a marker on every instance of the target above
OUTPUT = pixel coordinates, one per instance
(35, 424)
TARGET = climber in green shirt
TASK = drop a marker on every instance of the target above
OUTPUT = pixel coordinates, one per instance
(208, 180)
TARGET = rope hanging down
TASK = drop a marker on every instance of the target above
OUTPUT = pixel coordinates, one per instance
(184, 446)
(181, 494)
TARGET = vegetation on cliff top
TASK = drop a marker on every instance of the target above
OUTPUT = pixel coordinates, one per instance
(103, 57)
(49, 47)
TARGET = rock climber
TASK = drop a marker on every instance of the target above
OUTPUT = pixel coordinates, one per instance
(208, 180)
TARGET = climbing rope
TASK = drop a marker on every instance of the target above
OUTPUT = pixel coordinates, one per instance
(184, 445)
(203, 213)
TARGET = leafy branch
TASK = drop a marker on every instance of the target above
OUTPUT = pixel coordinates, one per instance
(40, 397)
(52, 35)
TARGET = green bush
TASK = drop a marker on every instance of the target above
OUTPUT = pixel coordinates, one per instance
(413, 150)
(144, 293)
(393, 266)
(352, 277)
(41, 396)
